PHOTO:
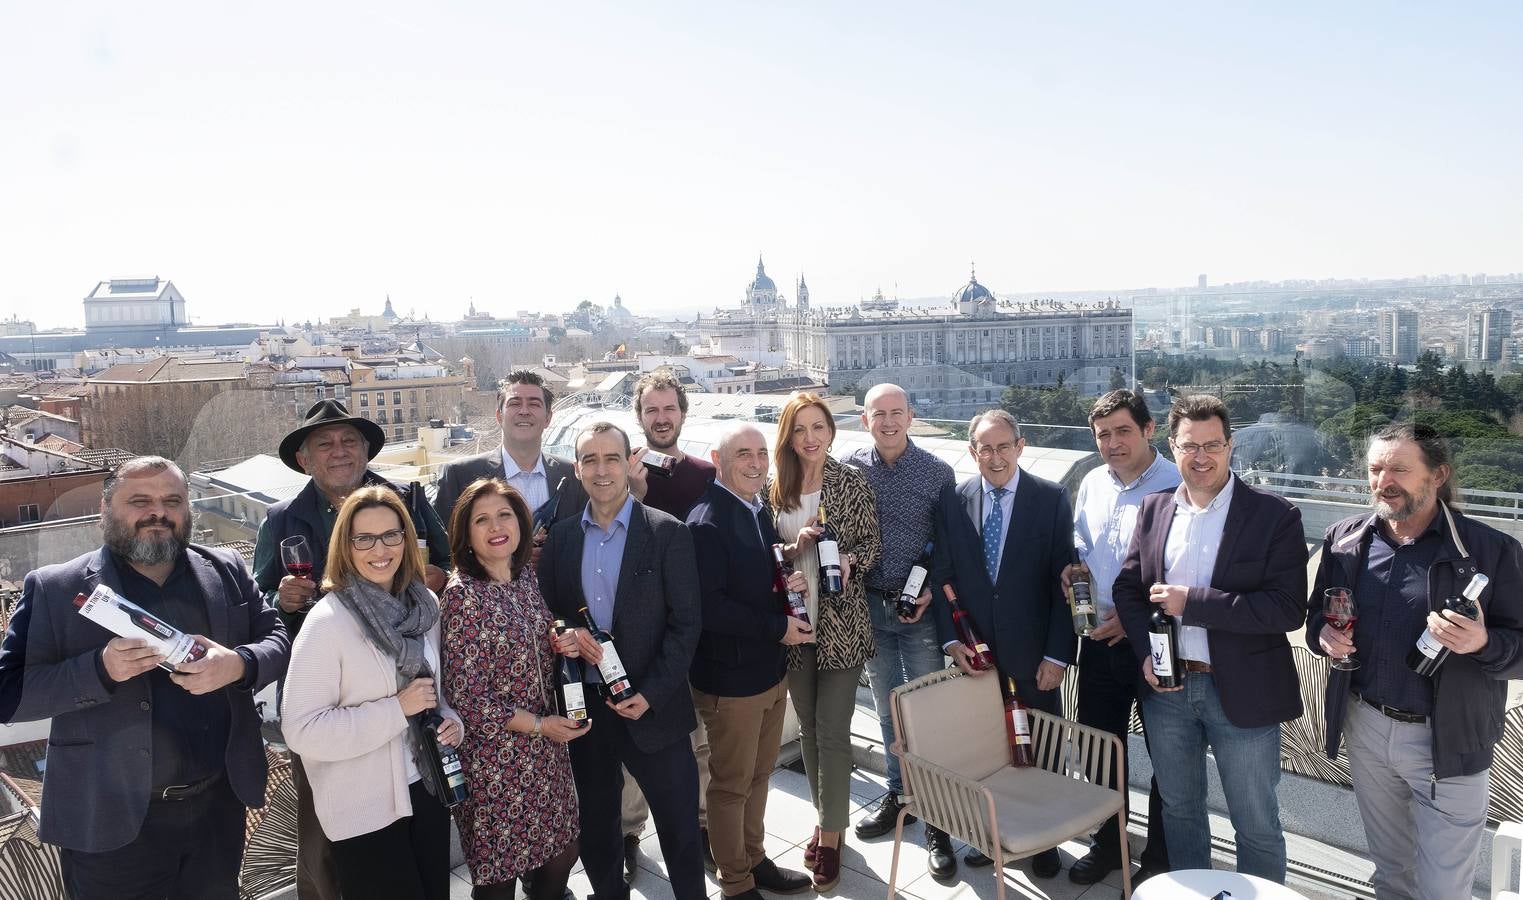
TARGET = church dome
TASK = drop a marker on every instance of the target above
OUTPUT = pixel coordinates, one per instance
(762, 282)
(972, 292)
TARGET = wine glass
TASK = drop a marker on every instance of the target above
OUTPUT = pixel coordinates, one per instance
(1339, 611)
(296, 556)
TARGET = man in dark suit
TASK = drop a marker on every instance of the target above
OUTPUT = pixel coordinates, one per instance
(633, 569)
(523, 413)
(1228, 563)
(1003, 539)
(149, 772)
(737, 674)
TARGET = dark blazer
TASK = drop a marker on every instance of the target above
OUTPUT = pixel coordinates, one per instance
(1022, 613)
(739, 652)
(1257, 594)
(1470, 690)
(656, 613)
(457, 475)
(100, 751)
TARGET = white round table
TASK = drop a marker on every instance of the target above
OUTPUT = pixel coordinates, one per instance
(1205, 884)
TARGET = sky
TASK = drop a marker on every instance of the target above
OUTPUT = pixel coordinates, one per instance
(295, 160)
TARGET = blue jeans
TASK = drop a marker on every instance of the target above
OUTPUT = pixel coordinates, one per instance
(905, 652)
(1180, 726)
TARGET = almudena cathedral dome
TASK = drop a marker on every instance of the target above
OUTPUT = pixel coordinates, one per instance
(957, 357)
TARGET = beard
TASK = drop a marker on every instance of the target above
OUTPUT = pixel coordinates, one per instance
(657, 442)
(123, 540)
(1402, 507)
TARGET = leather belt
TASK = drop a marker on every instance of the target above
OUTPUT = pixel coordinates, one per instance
(1196, 666)
(1391, 712)
(186, 791)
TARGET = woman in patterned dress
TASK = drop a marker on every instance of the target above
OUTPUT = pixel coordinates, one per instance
(500, 675)
(823, 675)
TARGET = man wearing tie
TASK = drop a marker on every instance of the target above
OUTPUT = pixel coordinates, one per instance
(633, 569)
(1003, 539)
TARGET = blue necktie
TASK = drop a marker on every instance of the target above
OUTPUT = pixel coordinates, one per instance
(993, 525)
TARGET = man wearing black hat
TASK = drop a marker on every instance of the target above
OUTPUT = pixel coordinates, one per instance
(333, 447)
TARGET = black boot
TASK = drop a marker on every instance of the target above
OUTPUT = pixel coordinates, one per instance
(941, 861)
(881, 820)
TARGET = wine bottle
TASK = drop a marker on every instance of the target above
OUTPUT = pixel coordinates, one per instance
(571, 697)
(415, 501)
(981, 659)
(444, 760)
(829, 550)
(909, 597)
(544, 517)
(1018, 727)
(615, 679)
(1428, 654)
(659, 463)
(1081, 603)
(1165, 647)
(793, 601)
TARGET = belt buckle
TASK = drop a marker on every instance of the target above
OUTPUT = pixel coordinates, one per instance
(164, 794)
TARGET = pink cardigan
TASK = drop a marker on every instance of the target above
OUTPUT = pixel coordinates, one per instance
(340, 714)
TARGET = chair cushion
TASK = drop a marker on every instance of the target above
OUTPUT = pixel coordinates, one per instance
(957, 724)
(1038, 809)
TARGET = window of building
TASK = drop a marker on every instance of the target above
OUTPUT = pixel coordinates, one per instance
(380, 398)
(28, 512)
(364, 399)
(380, 417)
(412, 414)
(428, 395)
(412, 396)
(396, 434)
(396, 398)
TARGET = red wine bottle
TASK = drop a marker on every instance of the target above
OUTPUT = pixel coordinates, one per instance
(829, 550)
(793, 601)
(909, 597)
(615, 679)
(544, 517)
(1428, 654)
(1165, 647)
(571, 694)
(443, 759)
(415, 503)
(981, 660)
(659, 463)
(1018, 727)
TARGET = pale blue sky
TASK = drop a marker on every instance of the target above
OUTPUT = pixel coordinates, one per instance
(297, 159)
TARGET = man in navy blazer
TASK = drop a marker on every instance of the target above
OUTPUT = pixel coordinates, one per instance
(1002, 541)
(632, 567)
(1228, 563)
(149, 772)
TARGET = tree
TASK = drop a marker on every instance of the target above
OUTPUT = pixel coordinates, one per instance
(1118, 379)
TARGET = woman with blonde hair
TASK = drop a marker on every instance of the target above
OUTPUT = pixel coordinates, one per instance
(500, 673)
(811, 490)
(362, 670)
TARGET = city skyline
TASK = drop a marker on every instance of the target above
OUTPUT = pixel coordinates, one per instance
(531, 158)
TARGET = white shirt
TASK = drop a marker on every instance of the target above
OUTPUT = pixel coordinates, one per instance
(1105, 515)
(1195, 536)
(533, 484)
(808, 562)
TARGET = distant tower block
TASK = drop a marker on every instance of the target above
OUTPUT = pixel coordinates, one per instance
(1200, 281)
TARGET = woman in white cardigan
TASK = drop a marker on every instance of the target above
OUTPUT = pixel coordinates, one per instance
(362, 665)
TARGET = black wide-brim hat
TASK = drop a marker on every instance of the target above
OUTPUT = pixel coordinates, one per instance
(322, 414)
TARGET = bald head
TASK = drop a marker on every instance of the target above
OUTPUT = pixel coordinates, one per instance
(886, 415)
(741, 458)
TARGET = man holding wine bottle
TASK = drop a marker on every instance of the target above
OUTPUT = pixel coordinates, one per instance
(1105, 513)
(737, 672)
(1421, 707)
(628, 573)
(1219, 568)
(1003, 538)
(906, 482)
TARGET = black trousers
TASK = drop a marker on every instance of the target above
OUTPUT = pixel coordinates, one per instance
(669, 779)
(406, 860)
(1108, 679)
(186, 850)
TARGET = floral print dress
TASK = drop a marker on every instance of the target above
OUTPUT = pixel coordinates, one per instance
(497, 658)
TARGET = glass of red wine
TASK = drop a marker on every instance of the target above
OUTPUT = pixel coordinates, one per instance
(296, 555)
(1339, 611)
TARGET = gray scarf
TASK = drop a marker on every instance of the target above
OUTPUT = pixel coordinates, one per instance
(398, 625)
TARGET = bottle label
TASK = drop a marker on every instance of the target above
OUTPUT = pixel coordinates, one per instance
(1161, 663)
(576, 701)
(830, 554)
(612, 669)
(1020, 726)
(980, 647)
(915, 583)
(1428, 645)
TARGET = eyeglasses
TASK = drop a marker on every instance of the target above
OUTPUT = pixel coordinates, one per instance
(988, 451)
(1210, 447)
(392, 538)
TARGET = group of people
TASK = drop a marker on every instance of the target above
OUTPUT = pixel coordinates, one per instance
(449, 621)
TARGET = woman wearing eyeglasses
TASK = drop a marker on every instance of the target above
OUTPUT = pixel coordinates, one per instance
(363, 665)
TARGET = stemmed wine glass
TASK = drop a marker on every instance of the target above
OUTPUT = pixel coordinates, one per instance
(296, 556)
(1339, 611)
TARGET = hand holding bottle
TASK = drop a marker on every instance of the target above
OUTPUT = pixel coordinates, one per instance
(1170, 596)
(417, 696)
(561, 729)
(577, 643)
(799, 632)
(451, 733)
(1457, 632)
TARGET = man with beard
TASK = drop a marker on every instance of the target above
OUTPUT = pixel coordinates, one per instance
(661, 404)
(334, 448)
(1419, 748)
(150, 772)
